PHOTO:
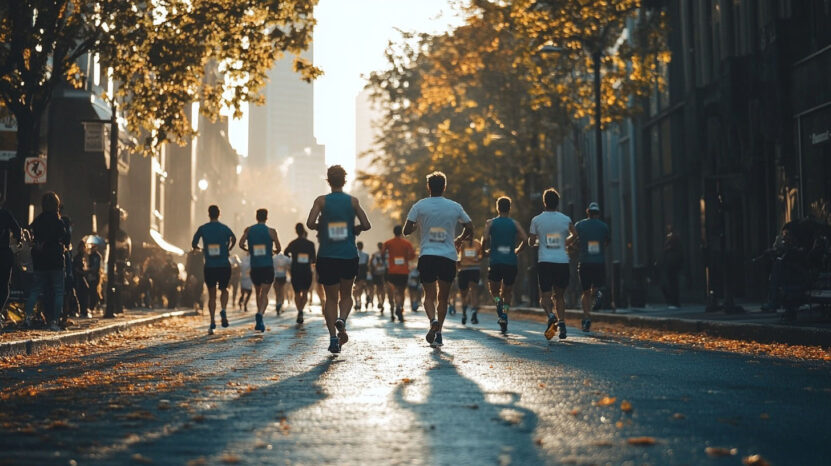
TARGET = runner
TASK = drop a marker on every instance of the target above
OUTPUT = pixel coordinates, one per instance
(550, 231)
(436, 218)
(333, 216)
(378, 267)
(217, 241)
(500, 240)
(593, 237)
(414, 287)
(281, 264)
(470, 257)
(245, 284)
(262, 243)
(399, 252)
(302, 252)
(361, 280)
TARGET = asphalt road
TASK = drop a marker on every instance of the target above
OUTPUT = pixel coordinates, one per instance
(279, 397)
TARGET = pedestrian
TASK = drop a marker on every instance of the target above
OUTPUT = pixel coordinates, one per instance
(504, 238)
(245, 283)
(550, 232)
(71, 306)
(436, 218)
(673, 259)
(303, 256)
(362, 281)
(8, 228)
(470, 259)
(50, 239)
(217, 241)
(79, 275)
(262, 243)
(593, 237)
(94, 261)
(235, 277)
(378, 267)
(281, 263)
(399, 253)
(333, 217)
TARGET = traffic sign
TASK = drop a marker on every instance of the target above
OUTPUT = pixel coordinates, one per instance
(94, 137)
(35, 170)
(8, 138)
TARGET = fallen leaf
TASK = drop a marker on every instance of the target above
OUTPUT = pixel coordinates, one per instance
(764, 416)
(139, 458)
(619, 424)
(538, 441)
(201, 461)
(755, 460)
(605, 401)
(574, 411)
(716, 452)
(406, 380)
(678, 416)
(626, 406)
(230, 459)
(641, 441)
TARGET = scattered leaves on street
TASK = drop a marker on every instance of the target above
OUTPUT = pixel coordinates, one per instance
(641, 441)
(139, 458)
(716, 452)
(755, 460)
(626, 406)
(605, 401)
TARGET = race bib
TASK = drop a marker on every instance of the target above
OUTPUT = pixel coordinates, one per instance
(213, 250)
(259, 250)
(470, 252)
(504, 249)
(594, 247)
(338, 231)
(302, 258)
(281, 270)
(553, 240)
(398, 261)
(438, 235)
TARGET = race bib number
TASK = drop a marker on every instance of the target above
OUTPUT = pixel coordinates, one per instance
(338, 231)
(281, 270)
(438, 235)
(302, 258)
(594, 247)
(213, 250)
(504, 249)
(259, 250)
(470, 253)
(398, 261)
(553, 240)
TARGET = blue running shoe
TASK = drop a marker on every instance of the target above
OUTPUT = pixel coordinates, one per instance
(431, 334)
(464, 315)
(259, 326)
(212, 328)
(334, 346)
(299, 317)
(562, 326)
(400, 314)
(474, 318)
(587, 325)
(279, 308)
(224, 318)
(438, 342)
(551, 328)
(342, 336)
(503, 322)
(451, 310)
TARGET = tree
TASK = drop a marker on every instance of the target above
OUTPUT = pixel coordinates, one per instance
(163, 54)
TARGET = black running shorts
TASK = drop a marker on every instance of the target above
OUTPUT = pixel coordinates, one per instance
(502, 273)
(363, 270)
(551, 275)
(217, 276)
(331, 271)
(398, 280)
(301, 279)
(280, 280)
(592, 275)
(434, 268)
(469, 277)
(262, 275)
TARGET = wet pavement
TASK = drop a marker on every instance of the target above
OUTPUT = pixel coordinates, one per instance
(182, 397)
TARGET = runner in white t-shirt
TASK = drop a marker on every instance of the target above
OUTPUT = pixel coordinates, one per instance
(551, 231)
(436, 218)
(245, 283)
(282, 263)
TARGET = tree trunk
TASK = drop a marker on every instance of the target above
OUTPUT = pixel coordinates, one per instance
(28, 144)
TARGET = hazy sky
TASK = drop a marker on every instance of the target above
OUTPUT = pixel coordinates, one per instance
(350, 38)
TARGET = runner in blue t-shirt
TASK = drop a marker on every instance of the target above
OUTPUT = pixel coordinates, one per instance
(593, 235)
(262, 243)
(502, 234)
(217, 241)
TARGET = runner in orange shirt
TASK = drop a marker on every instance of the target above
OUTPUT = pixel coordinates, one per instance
(399, 252)
(470, 258)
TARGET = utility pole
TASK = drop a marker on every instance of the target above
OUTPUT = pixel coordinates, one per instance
(113, 298)
(598, 135)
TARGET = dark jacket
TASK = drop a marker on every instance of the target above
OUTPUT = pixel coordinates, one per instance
(50, 238)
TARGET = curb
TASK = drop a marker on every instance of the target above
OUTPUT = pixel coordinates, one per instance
(760, 333)
(28, 347)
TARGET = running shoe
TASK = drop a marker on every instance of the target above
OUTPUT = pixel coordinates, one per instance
(464, 315)
(334, 346)
(224, 317)
(279, 308)
(503, 323)
(438, 342)
(299, 317)
(212, 328)
(562, 326)
(431, 334)
(414, 307)
(551, 327)
(452, 310)
(474, 317)
(259, 326)
(392, 317)
(587, 325)
(400, 313)
(342, 336)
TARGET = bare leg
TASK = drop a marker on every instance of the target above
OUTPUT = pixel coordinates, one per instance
(560, 304)
(345, 298)
(444, 294)
(495, 289)
(330, 307)
(586, 302)
(300, 299)
(262, 297)
(430, 290)
(507, 294)
(547, 303)
(212, 302)
(223, 299)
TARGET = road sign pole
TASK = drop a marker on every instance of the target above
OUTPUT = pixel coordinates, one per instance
(113, 298)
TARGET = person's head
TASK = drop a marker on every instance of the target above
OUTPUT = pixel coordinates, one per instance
(262, 215)
(397, 230)
(551, 199)
(213, 212)
(380, 246)
(593, 210)
(50, 202)
(436, 183)
(300, 230)
(360, 245)
(503, 205)
(336, 176)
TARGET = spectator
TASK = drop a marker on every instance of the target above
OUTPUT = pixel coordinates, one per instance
(49, 240)
(71, 306)
(94, 261)
(8, 226)
(79, 273)
(673, 259)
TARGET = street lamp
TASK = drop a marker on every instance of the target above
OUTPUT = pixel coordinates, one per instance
(203, 184)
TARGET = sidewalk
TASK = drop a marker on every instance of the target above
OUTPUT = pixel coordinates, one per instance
(16, 342)
(763, 327)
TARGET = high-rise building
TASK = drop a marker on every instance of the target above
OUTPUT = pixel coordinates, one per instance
(366, 116)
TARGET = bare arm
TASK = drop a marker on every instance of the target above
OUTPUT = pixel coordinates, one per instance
(232, 242)
(243, 241)
(523, 238)
(196, 237)
(486, 238)
(273, 234)
(317, 207)
(359, 211)
(409, 227)
(467, 233)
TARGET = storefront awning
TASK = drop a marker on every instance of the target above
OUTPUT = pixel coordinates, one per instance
(162, 243)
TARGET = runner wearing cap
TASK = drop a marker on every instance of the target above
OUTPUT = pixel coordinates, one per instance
(593, 236)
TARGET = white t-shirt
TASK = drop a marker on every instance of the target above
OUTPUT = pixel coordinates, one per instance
(245, 272)
(363, 258)
(282, 263)
(437, 218)
(552, 230)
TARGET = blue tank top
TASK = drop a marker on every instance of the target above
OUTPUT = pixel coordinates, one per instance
(503, 241)
(260, 246)
(336, 234)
